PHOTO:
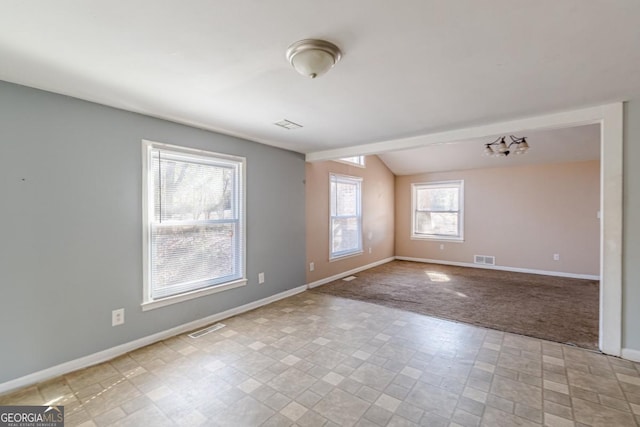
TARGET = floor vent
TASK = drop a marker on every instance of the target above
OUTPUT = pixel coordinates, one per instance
(348, 279)
(484, 259)
(205, 331)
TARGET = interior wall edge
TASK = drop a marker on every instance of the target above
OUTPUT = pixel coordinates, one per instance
(348, 273)
(631, 354)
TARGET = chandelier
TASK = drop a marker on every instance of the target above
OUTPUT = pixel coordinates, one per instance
(500, 148)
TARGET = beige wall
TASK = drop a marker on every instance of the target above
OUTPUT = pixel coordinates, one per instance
(377, 216)
(520, 215)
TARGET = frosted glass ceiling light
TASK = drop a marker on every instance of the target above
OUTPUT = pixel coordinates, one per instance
(312, 58)
(499, 147)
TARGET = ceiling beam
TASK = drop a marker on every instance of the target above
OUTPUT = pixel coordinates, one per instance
(550, 121)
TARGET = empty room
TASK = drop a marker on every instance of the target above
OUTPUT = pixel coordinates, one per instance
(320, 214)
(536, 214)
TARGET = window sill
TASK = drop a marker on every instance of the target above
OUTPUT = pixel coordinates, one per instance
(349, 255)
(174, 299)
(439, 239)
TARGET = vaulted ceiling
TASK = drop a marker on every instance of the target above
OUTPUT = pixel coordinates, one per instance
(571, 144)
(409, 68)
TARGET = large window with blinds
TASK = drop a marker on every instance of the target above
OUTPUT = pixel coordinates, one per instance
(346, 216)
(194, 240)
(438, 210)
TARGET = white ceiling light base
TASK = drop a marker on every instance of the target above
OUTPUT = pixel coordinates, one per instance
(312, 58)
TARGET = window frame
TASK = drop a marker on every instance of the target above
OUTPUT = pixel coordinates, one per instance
(360, 163)
(333, 256)
(433, 185)
(148, 204)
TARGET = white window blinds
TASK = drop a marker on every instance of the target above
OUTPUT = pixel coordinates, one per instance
(346, 215)
(195, 221)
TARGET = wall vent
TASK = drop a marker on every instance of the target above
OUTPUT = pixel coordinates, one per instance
(348, 279)
(484, 259)
(205, 331)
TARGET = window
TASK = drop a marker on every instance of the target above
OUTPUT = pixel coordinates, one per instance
(346, 216)
(356, 160)
(438, 210)
(193, 223)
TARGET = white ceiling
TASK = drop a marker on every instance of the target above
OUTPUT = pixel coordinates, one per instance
(409, 68)
(572, 144)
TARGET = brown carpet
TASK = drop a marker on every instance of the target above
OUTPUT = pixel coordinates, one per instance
(553, 308)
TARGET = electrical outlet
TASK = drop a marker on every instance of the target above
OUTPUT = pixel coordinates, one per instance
(260, 278)
(369, 249)
(312, 266)
(556, 257)
(117, 317)
(442, 246)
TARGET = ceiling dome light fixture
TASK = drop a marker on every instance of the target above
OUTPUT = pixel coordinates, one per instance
(501, 149)
(312, 58)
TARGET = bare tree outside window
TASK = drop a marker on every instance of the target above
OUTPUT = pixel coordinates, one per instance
(194, 232)
(437, 210)
(346, 216)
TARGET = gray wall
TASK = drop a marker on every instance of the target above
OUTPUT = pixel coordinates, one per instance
(631, 228)
(70, 227)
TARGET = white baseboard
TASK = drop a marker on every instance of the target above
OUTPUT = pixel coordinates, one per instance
(348, 273)
(110, 353)
(631, 354)
(502, 268)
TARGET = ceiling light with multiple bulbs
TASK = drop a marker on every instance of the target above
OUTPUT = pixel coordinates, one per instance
(312, 57)
(500, 148)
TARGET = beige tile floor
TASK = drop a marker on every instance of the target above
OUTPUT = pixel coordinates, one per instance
(318, 360)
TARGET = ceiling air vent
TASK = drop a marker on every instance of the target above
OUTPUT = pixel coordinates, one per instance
(287, 124)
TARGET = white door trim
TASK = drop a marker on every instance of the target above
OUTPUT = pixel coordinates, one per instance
(611, 148)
